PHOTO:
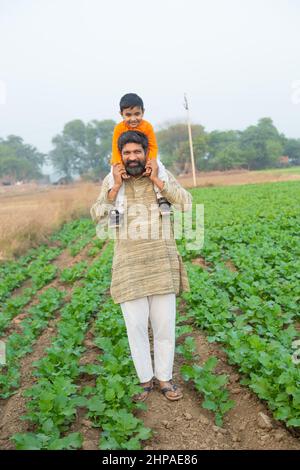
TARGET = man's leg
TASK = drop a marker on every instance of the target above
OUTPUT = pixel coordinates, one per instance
(136, 315)
(163, 319)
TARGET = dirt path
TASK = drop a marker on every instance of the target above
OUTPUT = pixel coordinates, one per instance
(186, 425)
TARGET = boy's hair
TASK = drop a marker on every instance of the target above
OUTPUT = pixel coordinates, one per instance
(130, 100)
(133, 137)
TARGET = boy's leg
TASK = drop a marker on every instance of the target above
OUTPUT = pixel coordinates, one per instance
(163, 203)
(116, 214)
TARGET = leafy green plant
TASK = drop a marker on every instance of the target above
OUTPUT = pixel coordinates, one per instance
(252, 309)
(210, 385)
(187, 349)
(69, 275)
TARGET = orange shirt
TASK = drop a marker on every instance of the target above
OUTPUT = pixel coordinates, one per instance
(144, 127)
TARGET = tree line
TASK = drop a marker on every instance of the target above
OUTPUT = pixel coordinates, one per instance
(20, 161)
(84, 149)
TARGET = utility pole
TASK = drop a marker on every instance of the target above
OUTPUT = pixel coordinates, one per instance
(186, 106)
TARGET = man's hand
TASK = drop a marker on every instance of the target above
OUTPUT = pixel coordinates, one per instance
(152, 167)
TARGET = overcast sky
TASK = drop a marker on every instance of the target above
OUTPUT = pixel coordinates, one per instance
(238, 61)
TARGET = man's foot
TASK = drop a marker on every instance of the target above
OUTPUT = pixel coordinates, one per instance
(148, 387)
(170, 390)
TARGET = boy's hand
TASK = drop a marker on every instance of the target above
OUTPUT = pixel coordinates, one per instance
(147, 171)
(119, 173)
(125, 175)
(151, 169)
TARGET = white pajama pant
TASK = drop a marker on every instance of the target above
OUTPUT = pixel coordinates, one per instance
(161, 309)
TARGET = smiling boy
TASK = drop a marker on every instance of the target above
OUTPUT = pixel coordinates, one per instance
(132, 111)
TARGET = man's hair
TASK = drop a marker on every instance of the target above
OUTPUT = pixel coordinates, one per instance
(130, 100)
(133, 137)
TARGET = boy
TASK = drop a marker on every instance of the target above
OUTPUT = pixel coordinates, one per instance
(132, 112)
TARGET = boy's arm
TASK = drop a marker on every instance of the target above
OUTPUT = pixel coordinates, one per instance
(116, 155)
(153, 147)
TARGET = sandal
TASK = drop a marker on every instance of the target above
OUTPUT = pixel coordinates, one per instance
(144, 395)
(173, 388)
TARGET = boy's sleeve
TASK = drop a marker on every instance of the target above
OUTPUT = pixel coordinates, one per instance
(153, 147)
(116, 155)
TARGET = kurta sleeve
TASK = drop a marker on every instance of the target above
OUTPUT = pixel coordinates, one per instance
(176, 194)
(100, 209)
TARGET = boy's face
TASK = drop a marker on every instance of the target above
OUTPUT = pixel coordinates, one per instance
(132, 116)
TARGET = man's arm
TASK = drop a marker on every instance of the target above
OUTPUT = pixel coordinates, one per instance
(174, 193)
(103, 204)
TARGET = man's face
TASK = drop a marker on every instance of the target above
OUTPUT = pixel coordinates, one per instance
(132, 116)
(134, 159)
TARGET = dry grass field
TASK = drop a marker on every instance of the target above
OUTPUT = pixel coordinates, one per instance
(237, 177)
(28, 213)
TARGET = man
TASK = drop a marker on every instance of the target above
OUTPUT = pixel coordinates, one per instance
(147, 271)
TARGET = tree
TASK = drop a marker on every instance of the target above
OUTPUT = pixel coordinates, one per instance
(19, 160)
(83, 149)
(99, 143)
(228, 157)
(174, 149)
(223, 150)
(262, 144)
(291, 148)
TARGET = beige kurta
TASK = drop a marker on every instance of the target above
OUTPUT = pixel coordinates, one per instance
(143, 264)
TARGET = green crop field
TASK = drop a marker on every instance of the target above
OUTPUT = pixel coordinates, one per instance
(252, 309)
(67, 357)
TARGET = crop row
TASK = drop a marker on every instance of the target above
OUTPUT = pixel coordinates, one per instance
(14, 273)
(55, 397)
(252, 309)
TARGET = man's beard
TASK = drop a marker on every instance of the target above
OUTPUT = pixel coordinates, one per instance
(135, 170)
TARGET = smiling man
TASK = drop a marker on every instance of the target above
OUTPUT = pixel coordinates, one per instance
(147, 271)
